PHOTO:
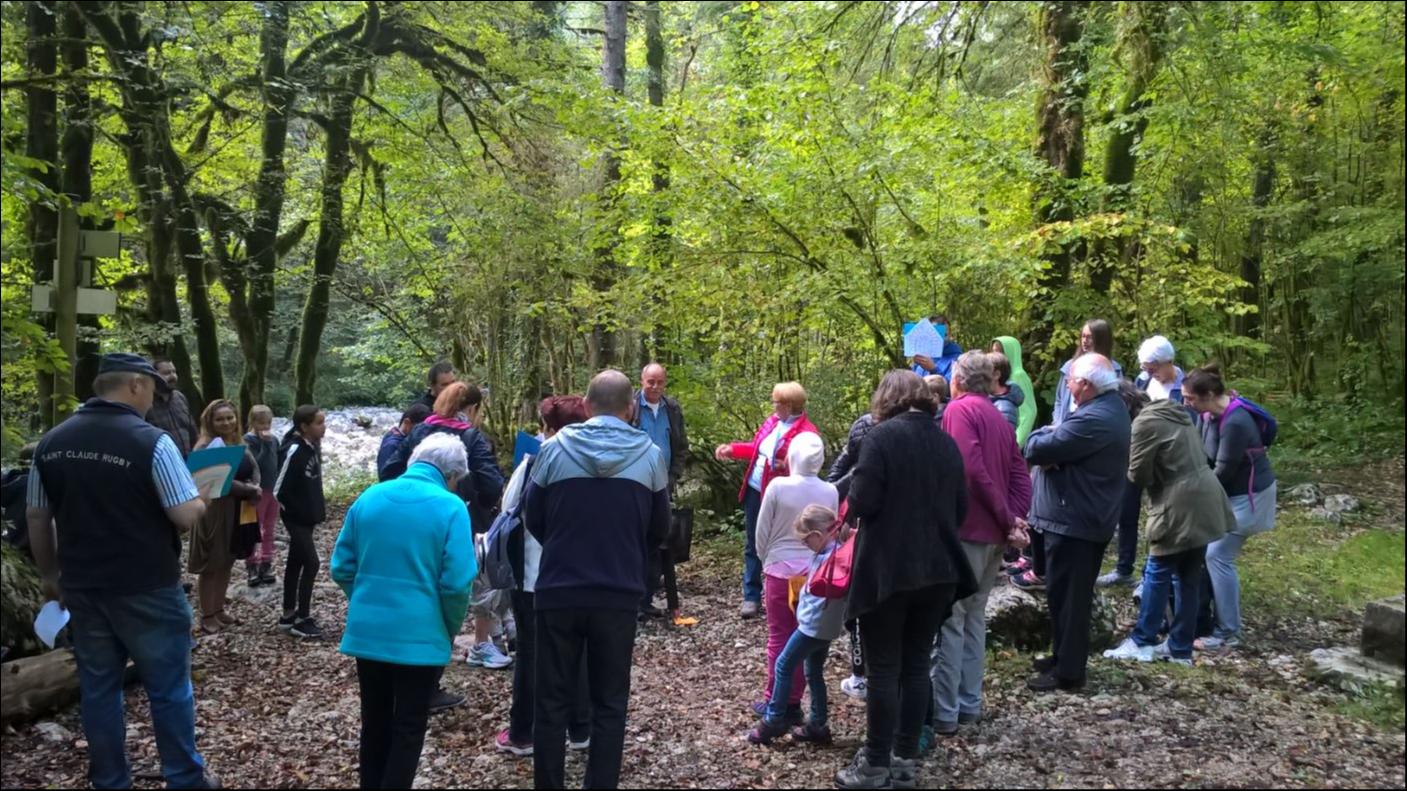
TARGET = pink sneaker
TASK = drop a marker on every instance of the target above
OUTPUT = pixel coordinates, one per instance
(515, 749)
(1028, 581)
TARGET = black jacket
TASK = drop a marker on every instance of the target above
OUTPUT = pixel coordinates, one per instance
(299, 485)
(678, 436)
(173, 415)
(482, 488)
(1081, 469)
(850, 454)
(910, 495)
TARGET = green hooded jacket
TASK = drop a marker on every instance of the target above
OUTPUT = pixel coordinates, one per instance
(1012, 349)
(1187, 508)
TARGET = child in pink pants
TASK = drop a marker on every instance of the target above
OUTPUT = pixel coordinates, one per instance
(264, 446)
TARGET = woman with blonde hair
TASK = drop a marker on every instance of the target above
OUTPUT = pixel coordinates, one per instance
(211, 556)
(766, 457)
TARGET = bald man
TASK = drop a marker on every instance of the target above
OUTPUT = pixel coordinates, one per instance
(660, 417)
(598, 501)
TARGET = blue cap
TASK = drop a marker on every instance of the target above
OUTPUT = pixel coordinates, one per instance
(124, 362)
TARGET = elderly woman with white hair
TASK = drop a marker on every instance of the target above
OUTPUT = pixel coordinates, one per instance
(1078, 486)
(405, 558)
(1161, 380)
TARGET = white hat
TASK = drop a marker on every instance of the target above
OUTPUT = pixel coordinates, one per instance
(1156, 349)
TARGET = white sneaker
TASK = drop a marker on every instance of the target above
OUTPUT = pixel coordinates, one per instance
(1187, 662)
(488, 655)
(1162, 651)
(584, 744)
(1128, 649)
(855, 687)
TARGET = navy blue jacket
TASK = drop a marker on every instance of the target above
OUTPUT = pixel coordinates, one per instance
(1081, 469)
(597, 497)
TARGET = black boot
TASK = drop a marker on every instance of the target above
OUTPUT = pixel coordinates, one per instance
(266, 575)
(252, 570)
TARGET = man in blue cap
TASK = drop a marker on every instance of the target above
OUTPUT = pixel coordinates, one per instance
(108, 499)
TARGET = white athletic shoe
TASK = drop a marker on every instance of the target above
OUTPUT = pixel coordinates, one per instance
(855, 687)
(490, 656)
(1128, 649)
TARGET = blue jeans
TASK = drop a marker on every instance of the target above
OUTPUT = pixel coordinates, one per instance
(752, 564)
(1160, 573)
(153, 629)
(800, 648)
(1253, 515)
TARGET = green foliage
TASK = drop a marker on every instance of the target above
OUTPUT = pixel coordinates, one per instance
(833, 170)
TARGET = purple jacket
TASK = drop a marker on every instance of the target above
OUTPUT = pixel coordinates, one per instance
(998, 485)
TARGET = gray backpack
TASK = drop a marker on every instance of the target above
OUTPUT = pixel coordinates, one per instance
(498, 567)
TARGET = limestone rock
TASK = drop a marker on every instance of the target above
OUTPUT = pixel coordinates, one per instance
(1385, 630)
(1306, 494)
(1341, 503)
(1325, 514)
(1020, 619)
(363, 421)
(1349, 670)
(54, 732)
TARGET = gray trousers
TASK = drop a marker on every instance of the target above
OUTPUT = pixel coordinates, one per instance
(962, 647)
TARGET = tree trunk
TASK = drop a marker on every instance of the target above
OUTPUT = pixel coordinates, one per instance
(268, 199)
(77, 147)
(331, 232)
(654, 60)
(1060, 118)
(1142, 42)
(42, 143)
(603, 337)
(1262, 187)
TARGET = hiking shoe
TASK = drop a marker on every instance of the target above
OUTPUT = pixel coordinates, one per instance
(1019, 566)
(1215, 643)
(766, 731)
(1128, 649)
(1049, 682)
(855, 687)
(579, 745)
(969, 719)
(1028, 581)
(1113, 578)
(266, 576)
(792, 717)
(903, 772)
(488, 655)
(651, 611)
(286, 622)
(750, 609)
(1043, 664)
(1185, 661)
(306, 628)
(503, 744)
(859, 774)
(812, 734)
(253, 579)
(444, 700)
(945, 728)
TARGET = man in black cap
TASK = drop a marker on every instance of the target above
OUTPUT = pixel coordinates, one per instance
(121, 495)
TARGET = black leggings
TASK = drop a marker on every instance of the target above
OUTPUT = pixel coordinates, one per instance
(301, 570)
(395, 707)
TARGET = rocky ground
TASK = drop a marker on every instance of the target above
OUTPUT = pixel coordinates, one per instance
(277, 713)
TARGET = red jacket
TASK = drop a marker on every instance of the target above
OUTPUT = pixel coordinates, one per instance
(777, 468)
(998, 485)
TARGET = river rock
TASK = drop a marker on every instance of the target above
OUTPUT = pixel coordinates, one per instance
(363, 421)
(1306, 494)
(1325, 514)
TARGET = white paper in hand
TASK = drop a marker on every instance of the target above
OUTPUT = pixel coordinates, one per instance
(923, 339)
(52, 617)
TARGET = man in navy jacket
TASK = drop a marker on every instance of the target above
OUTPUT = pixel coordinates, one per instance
(1081, 468)
(597, 501)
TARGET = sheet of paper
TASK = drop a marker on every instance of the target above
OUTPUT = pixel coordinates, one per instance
(52, 617)
(923, 339)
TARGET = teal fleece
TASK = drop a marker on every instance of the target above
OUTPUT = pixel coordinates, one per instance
(405, 558)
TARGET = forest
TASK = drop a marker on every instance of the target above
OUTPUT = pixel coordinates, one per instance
(318, 200)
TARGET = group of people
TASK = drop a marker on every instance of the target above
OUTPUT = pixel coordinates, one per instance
(940, 487)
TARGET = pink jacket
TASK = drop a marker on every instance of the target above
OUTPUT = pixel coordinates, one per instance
(998, 485)
(777, 465)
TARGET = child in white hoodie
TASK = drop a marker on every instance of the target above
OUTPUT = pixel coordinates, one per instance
(819, 621)
(786, 556)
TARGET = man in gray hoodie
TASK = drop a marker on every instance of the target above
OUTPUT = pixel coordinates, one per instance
(597, 500)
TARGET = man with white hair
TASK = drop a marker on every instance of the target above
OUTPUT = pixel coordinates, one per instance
(407, 585)
(1078, 490)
